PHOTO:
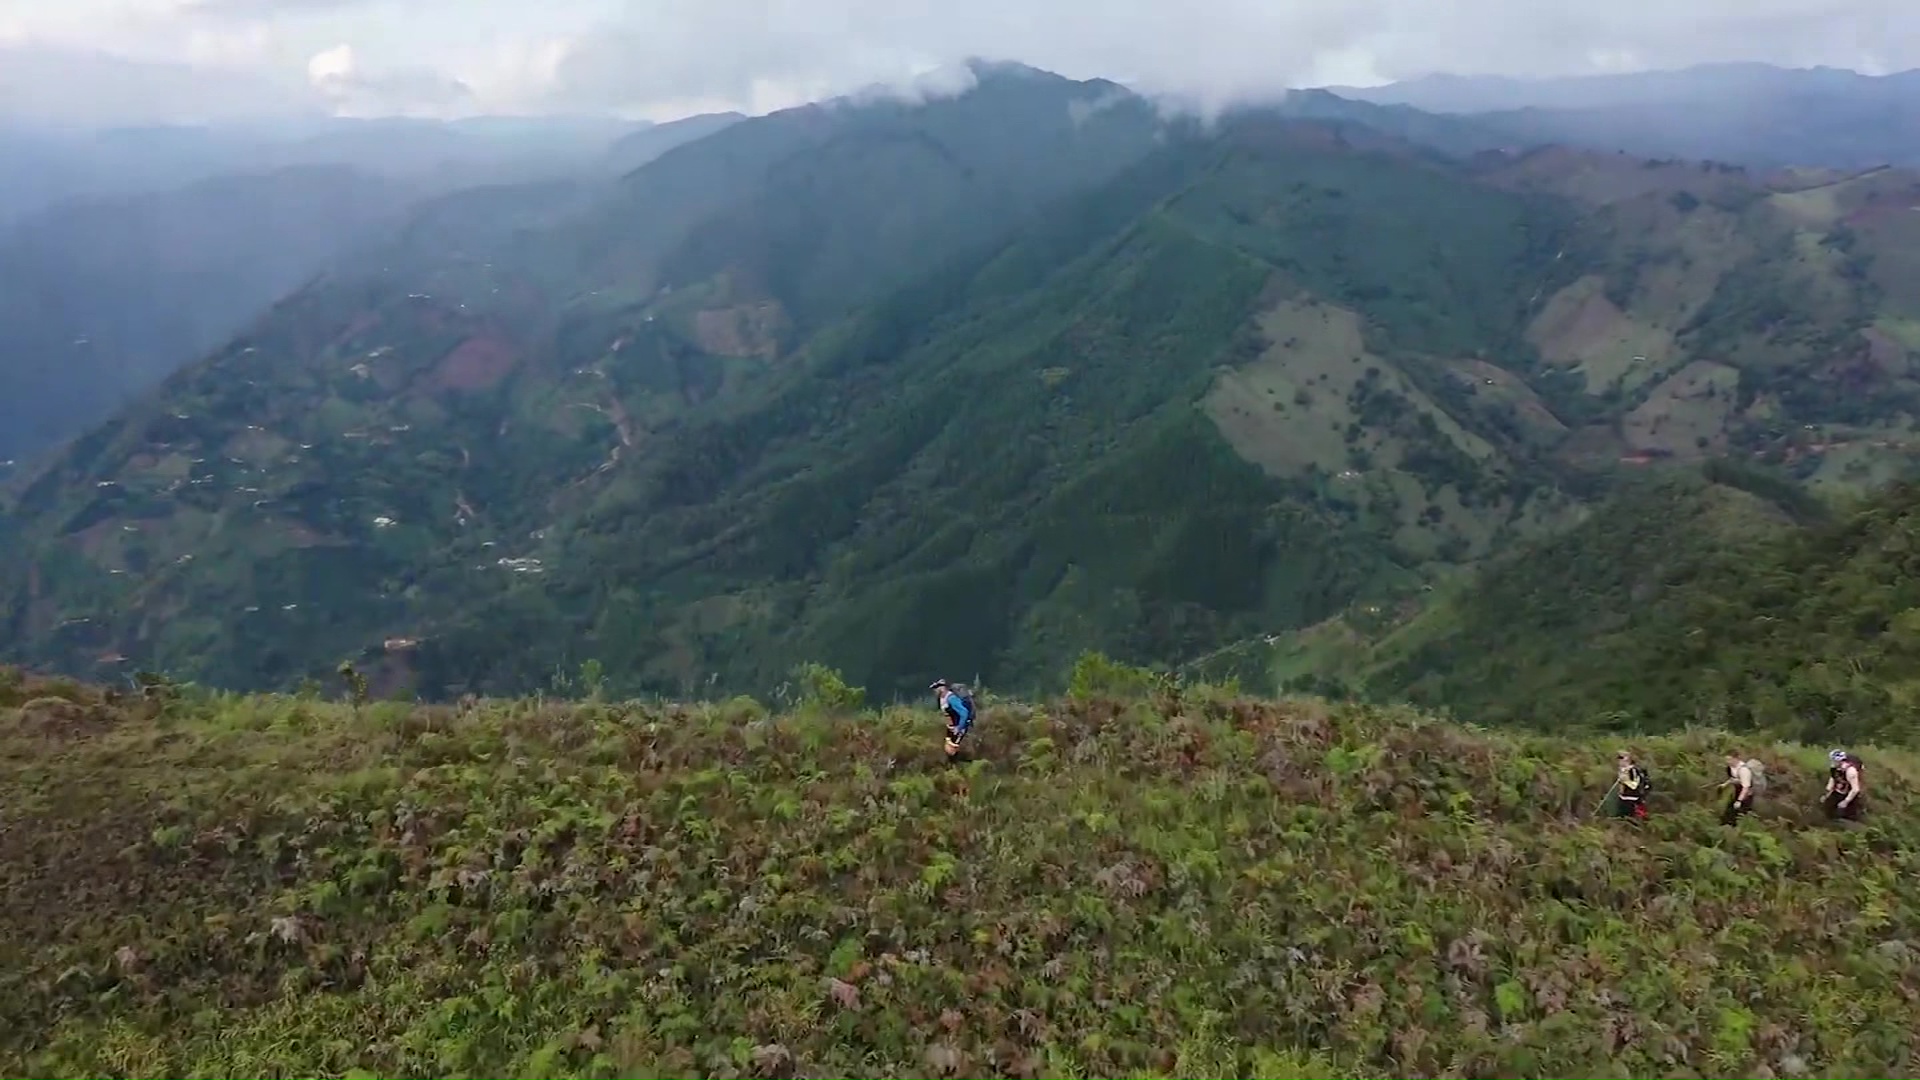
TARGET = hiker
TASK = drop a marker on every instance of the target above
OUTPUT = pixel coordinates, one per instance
(1844, 788)
(1631, 786)
(1746, 778)
(958, 705)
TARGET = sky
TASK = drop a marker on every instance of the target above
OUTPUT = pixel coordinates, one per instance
(118, 61)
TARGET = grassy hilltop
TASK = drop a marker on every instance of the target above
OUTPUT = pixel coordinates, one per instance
(1147, 883)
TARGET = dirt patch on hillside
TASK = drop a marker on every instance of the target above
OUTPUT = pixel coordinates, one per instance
(301, 535)
(1685, 416)
(257, 446)
(360, 324)
(1577, 319)
(1593, 445)
(1581, 327)
(91, 540)
(1879, 206)
(1885, 353)
(744, 330)
(475, 364)
(1501, 385)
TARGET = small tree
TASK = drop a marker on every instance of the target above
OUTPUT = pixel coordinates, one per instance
(593, 679)
(356, 683)
(1096, 674)
(826, 690)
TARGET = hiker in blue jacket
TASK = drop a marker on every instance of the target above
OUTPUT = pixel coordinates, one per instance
(957, 703)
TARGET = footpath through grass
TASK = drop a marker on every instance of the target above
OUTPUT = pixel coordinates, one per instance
(1197, 886)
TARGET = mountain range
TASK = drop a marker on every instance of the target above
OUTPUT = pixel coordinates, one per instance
(1748, 113)
(964, 387)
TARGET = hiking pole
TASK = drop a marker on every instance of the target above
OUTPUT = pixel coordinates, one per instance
(1604, 798)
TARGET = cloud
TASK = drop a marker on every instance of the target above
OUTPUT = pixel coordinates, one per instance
(670, 57)
(50, 85)
(337, 74)
(758, 52)
(272, 8)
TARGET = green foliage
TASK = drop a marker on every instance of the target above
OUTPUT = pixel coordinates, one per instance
(1685, 603)
(823, 689)
(1215, 886)
(1096, 674)
(356, 683)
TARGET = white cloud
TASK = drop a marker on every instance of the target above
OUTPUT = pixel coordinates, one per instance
(354, 91)
(334, 63)
(657, 57)
(1211, 50)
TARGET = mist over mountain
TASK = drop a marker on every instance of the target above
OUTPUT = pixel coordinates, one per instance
(1753, 114)
(107, 293)
(48, 164)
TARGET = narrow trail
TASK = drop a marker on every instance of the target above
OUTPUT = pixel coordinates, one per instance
(1823, 185)
(616, 412)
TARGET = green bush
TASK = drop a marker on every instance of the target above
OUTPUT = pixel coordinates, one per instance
(823, 689)
(1095, 674)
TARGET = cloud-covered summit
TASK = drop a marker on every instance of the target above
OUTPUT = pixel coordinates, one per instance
(666, 57)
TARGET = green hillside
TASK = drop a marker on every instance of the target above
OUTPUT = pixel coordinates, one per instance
(1740, 603)
(967, 386)
(1193, 885)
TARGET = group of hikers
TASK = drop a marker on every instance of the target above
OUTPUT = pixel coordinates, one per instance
(1746, 779)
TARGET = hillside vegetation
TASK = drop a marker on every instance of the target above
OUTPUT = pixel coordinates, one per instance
(971, 385)
(1731, 600)
(1178, 884)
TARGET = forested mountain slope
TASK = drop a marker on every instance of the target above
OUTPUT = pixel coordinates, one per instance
(963, 387)
(1738, 604)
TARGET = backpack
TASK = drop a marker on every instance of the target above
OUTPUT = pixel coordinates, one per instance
(1837, 775)
(1759, 772)
(1646, 783)
(965, 700)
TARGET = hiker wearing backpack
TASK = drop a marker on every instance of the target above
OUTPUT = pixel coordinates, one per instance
(1844, 786)
(957, 704)
(1747, 778)
(1631, 785)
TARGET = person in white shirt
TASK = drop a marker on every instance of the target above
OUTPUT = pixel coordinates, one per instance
(1741, 779)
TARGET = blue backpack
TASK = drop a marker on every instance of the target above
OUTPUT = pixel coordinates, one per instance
(960, 705)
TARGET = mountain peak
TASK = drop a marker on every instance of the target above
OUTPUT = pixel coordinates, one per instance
(989, 67)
